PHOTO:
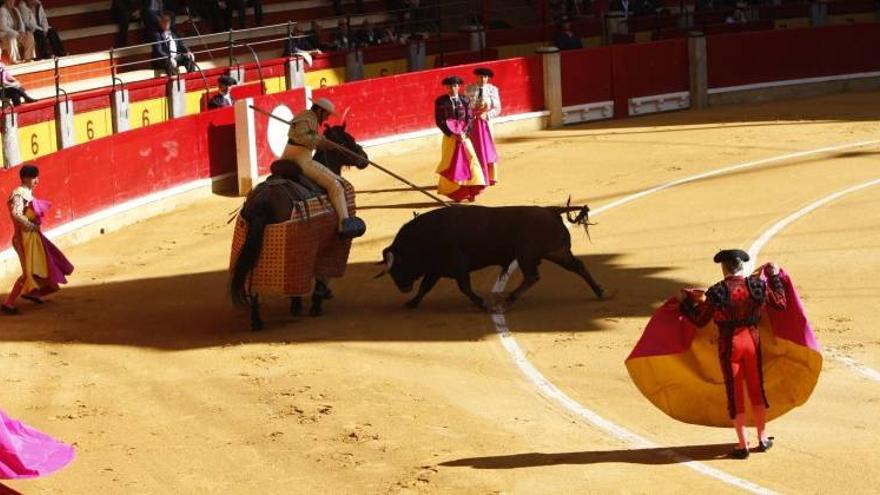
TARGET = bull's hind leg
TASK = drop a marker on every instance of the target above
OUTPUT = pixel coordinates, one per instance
(256, 321)
(530, 277)
(567, 260)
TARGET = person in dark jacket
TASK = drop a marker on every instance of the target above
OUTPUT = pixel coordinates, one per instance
(171, 53)
(223, 98)
(566, 39)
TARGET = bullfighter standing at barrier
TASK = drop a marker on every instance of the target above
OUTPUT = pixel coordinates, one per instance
(486, 105)
(461, 176)
(43, 266)
(304, 138)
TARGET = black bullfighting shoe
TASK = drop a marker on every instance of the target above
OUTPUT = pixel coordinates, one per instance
(352, 227)
(765, 445)
(9, 310)
(739, 453)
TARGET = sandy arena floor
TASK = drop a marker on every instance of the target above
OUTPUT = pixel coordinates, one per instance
(144, 365)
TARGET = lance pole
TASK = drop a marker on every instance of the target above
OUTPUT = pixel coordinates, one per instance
(357, 157)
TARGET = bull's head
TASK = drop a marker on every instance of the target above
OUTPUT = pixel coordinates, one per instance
(393, 264)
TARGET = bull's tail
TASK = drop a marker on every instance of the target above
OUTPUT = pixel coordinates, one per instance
(582, 217)
(250, 253)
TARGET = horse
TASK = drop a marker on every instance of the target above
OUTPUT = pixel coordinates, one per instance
(336, 160)
(275, 201)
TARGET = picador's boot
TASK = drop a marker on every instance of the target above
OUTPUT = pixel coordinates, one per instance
(352, 227)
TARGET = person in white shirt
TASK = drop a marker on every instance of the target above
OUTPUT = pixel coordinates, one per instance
(45, 36)
(486, 105)
(223, 98)
(170, 53)
(14, 32)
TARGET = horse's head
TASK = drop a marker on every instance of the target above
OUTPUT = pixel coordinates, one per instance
(338, 135)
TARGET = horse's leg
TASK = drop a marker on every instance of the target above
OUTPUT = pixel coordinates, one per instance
(256, 321)
(296, 305)
(320, 293)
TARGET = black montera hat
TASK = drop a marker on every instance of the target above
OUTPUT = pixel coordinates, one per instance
(227, 81)
(483, 71)
(730, 255)
(29, 172)
(449, 81)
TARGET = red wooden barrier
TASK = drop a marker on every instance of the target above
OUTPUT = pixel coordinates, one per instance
(586, 76)
(405, 102)
(646, 69)
(749, 58)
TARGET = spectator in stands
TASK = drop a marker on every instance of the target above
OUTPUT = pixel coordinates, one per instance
(300, 41)
(566, 39)
(45, 35)
(170, 53)
(317, 38)
(337, 7)
(151, 12)
(211, 11)
(13, 32)
(739, 15)
(257, 5)
(12, 89)
(389, 35)
(366, 35)
(122, 12)
(341, 40)
(240, 7)
(223, 98)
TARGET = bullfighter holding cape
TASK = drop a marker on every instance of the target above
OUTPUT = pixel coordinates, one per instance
(760, 338)
(461, 176)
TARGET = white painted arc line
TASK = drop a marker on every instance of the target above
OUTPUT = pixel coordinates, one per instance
(634, 440)
(725, 170)
(764, 238)
(546, 388)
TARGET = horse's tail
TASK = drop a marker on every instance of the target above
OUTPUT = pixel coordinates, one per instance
(261, 216)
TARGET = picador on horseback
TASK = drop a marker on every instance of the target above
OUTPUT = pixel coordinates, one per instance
(289, 239)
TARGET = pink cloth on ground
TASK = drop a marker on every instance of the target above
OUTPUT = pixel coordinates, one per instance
(28, 453)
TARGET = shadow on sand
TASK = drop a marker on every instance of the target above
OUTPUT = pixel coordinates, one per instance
(192, 311)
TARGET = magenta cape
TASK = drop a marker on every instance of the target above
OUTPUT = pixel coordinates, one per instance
(28, 453)
(675, 365)
(59, 267)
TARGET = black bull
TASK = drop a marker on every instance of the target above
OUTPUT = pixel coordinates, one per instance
(454, 241)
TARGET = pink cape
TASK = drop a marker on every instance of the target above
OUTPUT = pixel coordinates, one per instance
(28, 453)
(59, 265)
(459, 170)
(676, 366)
(484, 146)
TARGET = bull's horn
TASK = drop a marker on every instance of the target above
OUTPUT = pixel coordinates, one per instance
(388, 257)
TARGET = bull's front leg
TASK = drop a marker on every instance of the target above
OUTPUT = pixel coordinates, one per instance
(530, 278)
(464, 285)
(428, 282)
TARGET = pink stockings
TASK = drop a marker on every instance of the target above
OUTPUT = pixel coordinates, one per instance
(759, 414)
(13, 295)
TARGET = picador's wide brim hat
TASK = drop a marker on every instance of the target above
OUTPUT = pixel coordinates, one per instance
(483, 71)
(449, 81)
(731, 255)
(326, 104)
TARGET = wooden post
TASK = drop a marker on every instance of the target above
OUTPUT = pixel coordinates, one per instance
(699, 76)
(552, 64)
